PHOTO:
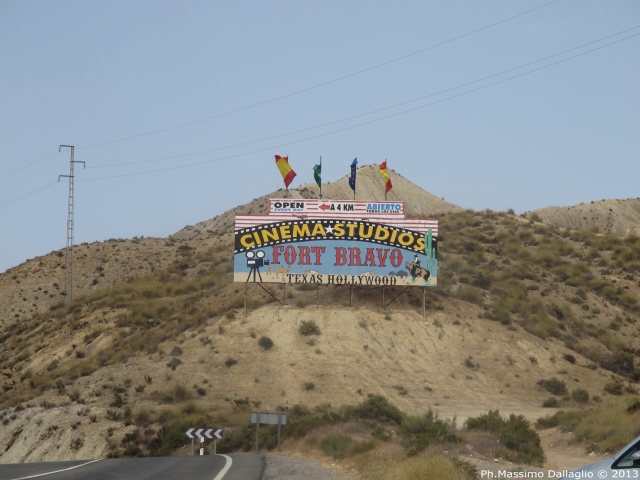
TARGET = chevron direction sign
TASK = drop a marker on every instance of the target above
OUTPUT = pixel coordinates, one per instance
(210, 433)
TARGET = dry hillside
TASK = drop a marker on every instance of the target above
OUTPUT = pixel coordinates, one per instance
(38, 284)
(523, 312)
(617, 217)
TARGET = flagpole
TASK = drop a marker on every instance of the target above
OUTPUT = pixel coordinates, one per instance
(385, 185)
(352, 178)
(355, 184)
(320, 176)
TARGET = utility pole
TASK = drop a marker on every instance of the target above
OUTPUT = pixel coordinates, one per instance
(68, 276)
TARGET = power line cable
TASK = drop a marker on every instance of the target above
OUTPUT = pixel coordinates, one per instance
(27, 166)
(6, 203)
(366, 113)
(368, 122)
(319, 85)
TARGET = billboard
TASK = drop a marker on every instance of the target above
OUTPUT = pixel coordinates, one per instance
(335, 251)
(311, 207)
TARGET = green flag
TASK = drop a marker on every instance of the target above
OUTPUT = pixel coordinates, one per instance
(317, 174)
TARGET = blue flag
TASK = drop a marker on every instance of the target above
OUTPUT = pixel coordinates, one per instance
(352, 178)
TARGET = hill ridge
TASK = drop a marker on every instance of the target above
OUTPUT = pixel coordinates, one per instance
(610, 216)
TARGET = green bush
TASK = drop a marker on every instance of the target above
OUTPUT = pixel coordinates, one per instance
(300, 420)
(633, 406)
(521, 442)
(470, 294)
(180, 393)
(169, 438)
(377, 408)
(554, 386)
(580, 395)
(621, 363)
(551, 402)
(420, 432)
(142, 418)
(336, 445)
(567, 421)
(309, 327)
(265, 342)
(614, 388)
(547, 422)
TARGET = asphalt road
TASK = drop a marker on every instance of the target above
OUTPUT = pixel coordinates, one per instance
(237, 466)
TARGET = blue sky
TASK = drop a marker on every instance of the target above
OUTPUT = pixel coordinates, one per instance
(86, 72)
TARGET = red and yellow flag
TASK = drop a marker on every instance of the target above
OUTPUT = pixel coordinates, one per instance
(285, 169)
(383, 171)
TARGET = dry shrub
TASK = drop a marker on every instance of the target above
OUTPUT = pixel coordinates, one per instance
(265, 342)
(336, 446)
(553, 386)
(143, 417)
(358, 448)
(420, 467)
(609, 426)
(470, 294)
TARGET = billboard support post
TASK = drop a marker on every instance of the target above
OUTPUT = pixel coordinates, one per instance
(424, 297)
(245, 299)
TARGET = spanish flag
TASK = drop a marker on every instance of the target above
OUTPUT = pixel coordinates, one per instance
(286, 171)
(383, 171)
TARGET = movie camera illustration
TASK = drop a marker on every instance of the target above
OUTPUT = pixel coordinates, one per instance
(255, 260)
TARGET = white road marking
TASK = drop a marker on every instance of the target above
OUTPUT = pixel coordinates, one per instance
(226, 468)
(58, 471)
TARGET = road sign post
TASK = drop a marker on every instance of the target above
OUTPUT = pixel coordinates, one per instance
(279, 427)
(268, 419)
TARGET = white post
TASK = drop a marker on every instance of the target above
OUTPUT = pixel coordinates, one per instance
(201, 445)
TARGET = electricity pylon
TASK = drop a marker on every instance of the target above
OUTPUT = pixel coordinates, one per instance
(68, 276)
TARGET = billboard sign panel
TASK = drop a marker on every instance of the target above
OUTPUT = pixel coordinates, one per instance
(336, 251)
(331, 208)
